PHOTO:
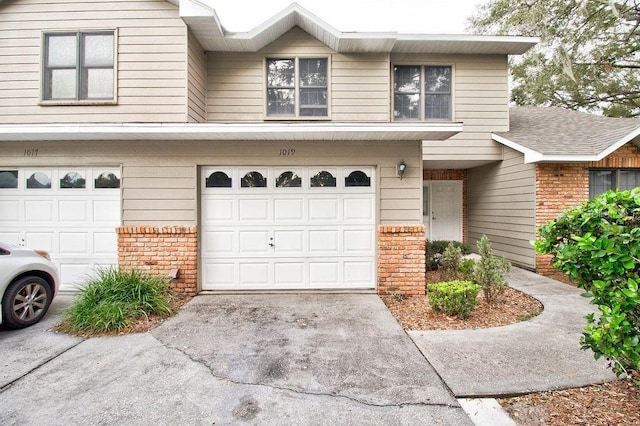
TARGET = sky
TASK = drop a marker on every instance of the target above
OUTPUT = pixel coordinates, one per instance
(404, 16)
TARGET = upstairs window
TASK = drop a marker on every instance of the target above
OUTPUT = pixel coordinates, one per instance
(79, 66)
(297, 87)
(421, 92)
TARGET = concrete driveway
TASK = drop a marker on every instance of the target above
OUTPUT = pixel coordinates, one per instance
(230, 359)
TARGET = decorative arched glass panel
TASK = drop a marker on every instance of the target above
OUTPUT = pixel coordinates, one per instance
(323, 179)
(107, 180)
(288, 180)
(253, 180)
(357, 178)
(39, 180)
(73, 180)
(8, 178)
(218, 180)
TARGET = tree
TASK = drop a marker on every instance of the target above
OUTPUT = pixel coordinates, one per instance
(588, 58)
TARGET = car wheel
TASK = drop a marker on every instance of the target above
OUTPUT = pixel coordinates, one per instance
(25, 302)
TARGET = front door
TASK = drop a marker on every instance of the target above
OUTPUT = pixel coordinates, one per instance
(443, 210)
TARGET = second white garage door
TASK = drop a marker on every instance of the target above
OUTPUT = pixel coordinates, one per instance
(288, 228)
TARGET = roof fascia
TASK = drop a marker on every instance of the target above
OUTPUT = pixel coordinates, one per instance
(530, 155)
(623, 141)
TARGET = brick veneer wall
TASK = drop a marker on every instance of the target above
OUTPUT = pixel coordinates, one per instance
(401, 259)
(158, 250)
(566, 185)
(452, 174)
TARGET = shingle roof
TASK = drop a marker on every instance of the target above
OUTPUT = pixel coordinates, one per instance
(548, 132)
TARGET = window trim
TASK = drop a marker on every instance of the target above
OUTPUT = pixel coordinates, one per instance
(422, 93)
(297, 116)
(43, 57)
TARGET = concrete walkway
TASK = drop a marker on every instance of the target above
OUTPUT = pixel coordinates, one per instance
(536, 355)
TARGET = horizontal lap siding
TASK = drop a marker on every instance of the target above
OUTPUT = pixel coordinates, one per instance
(359, 83)
(501, 204)
(480, 99)
(151, 60)
(197, 80)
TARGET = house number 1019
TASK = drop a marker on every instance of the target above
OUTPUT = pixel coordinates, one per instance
(287, 152)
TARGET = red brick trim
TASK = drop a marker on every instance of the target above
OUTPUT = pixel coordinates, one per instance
(160, 249)
(401, 259)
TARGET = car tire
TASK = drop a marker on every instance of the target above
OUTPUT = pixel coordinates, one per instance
(25, 302)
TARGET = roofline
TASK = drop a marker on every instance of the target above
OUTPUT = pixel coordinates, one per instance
(533, 156)
(230, 132)
(204, 23)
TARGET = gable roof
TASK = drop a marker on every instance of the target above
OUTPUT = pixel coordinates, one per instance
(554, 134)
(204, 23)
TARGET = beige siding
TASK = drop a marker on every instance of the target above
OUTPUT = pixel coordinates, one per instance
(197, 81)
(480, 99)
(159, 180)
(501, 204)
(359, 83)
(151, 59)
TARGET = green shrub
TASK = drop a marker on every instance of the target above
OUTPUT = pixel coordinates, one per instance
(114, 298)
(467, 268)
(453, 297)
(489, 271)
(435, 251)
(451, 261)
(598, 245)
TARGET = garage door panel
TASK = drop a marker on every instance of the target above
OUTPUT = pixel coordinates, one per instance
(74, 275)
(73, 211)
(73, 243)
(254, 241)
(106, 211)
(104, 243)
(288, 209)
(38, 210)
(9, 211)
(253, 209)
(312, 234)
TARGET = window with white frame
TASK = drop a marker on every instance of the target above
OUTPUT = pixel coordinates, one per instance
(603, 180)
(422, 92)
(297, 87)
(79, 66)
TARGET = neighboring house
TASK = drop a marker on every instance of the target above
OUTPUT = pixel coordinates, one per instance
(293, 156)
(554, 159)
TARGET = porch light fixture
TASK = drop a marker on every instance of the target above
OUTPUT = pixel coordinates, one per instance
(401, 168)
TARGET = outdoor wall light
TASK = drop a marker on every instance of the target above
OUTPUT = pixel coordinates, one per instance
(401, 168)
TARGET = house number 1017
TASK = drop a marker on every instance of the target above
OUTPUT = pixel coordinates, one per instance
(287, 152)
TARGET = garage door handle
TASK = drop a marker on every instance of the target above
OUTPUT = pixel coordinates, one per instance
(272, 245)
(271, 242)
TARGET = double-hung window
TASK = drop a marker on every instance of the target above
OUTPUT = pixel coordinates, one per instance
(422, 92)
(603, 180)
(79, 66)
(297, 87)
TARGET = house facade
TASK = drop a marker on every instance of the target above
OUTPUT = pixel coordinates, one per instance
(293, 156)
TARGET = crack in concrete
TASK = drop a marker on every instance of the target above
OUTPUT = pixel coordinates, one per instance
(8, 385)
(300, 391)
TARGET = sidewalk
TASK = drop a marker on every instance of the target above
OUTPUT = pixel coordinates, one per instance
(537, 355)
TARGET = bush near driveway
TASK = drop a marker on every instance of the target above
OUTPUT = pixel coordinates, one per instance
(598, 245)
(453, 297)
(114, 299)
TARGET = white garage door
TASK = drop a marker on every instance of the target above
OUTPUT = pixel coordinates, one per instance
(288, 228)
(71, 212)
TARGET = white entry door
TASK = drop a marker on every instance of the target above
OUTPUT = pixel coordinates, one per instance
(71, 212)
(443, 210)
(288, 228)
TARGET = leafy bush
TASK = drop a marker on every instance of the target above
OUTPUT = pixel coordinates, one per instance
(451, 261)
(467, 268)
(453, 297)
(489, 271)
(114, 298)
(435, 251)
(598, 245)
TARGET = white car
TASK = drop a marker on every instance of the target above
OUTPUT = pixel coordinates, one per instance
(28, 284)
